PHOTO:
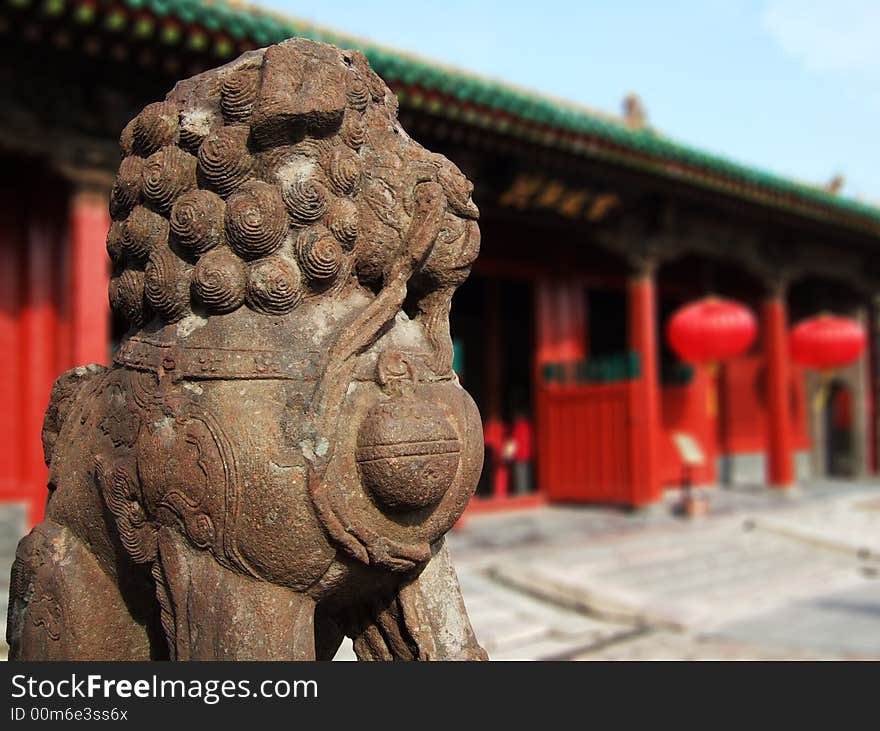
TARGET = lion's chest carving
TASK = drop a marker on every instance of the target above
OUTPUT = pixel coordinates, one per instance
(233, 462)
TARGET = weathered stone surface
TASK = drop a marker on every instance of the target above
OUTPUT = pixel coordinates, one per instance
(280, 445)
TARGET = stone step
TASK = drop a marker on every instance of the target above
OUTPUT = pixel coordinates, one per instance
(559, 648)
(731, 574)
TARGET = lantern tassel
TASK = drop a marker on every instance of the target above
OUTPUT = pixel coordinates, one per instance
(822, 392)
(712, 390)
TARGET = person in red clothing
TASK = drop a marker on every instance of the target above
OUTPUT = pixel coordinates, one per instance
(521, 448)
(494, 480)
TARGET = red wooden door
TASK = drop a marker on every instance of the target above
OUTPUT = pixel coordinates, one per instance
(585, 445)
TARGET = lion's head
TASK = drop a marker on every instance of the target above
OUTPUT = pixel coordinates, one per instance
(279, 177)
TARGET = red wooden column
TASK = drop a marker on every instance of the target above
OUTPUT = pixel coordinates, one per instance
(13, 248)
(581, 322)
(780, 460)
(89, 276)
(545, 352)
(546, 326)
(495, 431)
(645, 393)
(40, 323)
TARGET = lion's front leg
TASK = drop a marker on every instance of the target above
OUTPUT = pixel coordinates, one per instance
(434, 613)
(64, 606)
(210, 612)
(425, 620)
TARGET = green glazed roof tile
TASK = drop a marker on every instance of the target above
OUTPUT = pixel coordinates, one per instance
(246, 22)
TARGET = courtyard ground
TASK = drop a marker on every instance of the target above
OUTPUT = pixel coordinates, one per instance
(764, 575)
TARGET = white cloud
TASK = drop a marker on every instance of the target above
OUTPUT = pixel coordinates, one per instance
(828, 35)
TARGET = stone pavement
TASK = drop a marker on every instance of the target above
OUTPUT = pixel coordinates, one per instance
(765, 575)
(833, 624)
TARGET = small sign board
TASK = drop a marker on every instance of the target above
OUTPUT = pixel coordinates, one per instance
(689, 449)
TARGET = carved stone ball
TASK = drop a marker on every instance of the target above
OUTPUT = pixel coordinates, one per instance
(255, 220)
(167, 174)
(154, 127)
(198, 220)
(408, 454)
(128, 186)
(273, 286)
(320, 256)
(219, 280)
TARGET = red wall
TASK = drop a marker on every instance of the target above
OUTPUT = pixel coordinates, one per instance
(741, 427)
(687, 409)
(34, 328)
(743, 400)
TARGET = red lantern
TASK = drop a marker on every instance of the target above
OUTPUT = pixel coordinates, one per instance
(826, 342)
(711, 330)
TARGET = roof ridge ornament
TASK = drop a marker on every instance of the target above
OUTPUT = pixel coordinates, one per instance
(635, 116)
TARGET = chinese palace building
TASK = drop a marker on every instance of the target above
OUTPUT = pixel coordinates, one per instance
(595, 230)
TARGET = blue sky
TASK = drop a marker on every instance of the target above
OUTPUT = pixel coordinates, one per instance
(792, 86)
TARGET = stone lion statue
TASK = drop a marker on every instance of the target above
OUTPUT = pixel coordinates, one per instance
(273, 458)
